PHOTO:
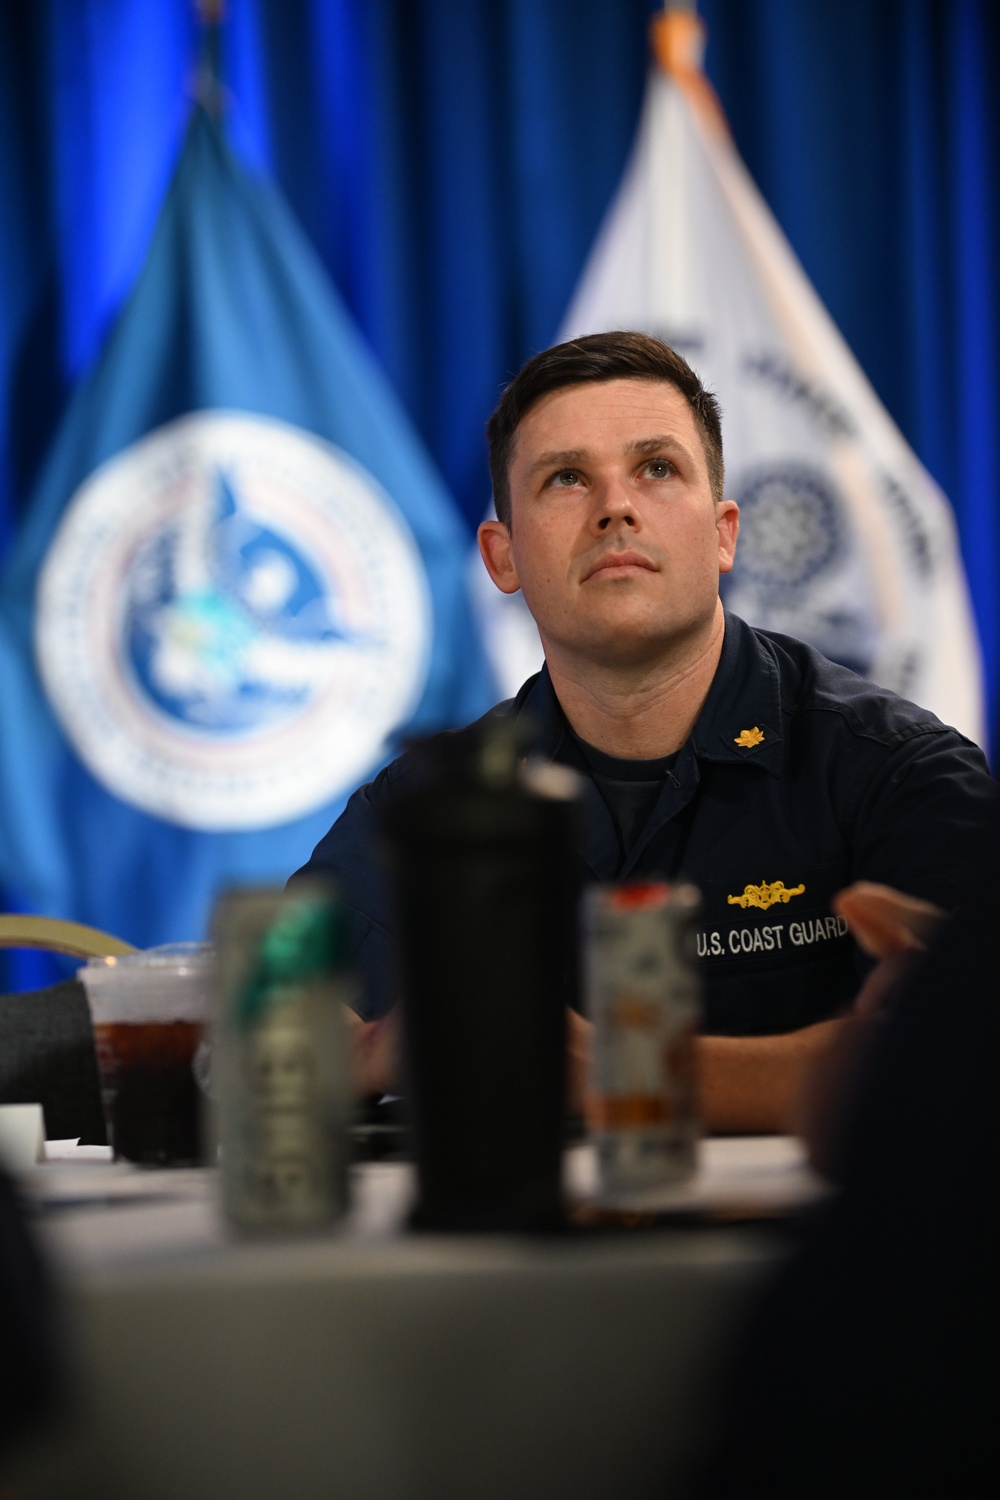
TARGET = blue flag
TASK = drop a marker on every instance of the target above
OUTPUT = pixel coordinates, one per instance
(238, 581)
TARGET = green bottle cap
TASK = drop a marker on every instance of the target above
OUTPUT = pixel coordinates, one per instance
(307, 939)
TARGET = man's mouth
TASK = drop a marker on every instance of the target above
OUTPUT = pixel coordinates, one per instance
(620, 563)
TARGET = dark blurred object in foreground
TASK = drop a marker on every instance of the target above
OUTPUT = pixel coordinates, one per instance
(30, 1383)
(47, 1057)
(871, 1365)
(486, 885)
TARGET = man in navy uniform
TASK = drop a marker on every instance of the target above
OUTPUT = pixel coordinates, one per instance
(742, 760)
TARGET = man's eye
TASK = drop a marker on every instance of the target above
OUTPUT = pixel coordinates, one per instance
(659, 468)
(565, 478)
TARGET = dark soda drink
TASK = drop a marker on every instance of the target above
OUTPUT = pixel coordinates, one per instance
(151, 1098)
(149, 1011)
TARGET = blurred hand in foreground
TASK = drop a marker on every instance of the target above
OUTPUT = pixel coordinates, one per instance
(895, 929)
(374, 1053)
(890, 927)
(579, 1044)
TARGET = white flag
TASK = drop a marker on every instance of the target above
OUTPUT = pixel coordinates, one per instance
(846, 541)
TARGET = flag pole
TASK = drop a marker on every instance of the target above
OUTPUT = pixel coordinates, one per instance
(677, 37)
(209, 91)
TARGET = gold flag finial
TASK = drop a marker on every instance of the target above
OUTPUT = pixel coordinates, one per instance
(208, 88)
(678, 40)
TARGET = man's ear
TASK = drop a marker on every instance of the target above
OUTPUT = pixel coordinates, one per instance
(495, 550)
(727, 524)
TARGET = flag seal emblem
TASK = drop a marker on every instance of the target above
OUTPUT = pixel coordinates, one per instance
(231, 620)
(791, 528)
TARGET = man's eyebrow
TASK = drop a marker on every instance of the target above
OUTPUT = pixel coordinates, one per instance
(574, 458)
(664, 444)
(566, 458)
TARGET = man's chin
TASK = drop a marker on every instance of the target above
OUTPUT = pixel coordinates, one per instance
(626, 643)
(629, 653)
(623, 648)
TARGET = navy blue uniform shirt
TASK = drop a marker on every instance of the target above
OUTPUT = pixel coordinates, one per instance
(798, 778)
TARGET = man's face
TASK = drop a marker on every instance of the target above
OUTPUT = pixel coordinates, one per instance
(615, 539)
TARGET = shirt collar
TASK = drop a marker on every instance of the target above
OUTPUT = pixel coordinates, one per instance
(739, 721)
(741, 717)
(538, 705)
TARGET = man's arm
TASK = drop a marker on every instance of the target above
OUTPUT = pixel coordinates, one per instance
(750, 1085)
(918, 817)
(348, 857)
(755, 1085)
(918, 825)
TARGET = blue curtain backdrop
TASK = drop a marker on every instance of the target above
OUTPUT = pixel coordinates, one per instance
(451, 161)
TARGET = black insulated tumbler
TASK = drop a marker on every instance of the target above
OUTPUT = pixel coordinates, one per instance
(482, 850)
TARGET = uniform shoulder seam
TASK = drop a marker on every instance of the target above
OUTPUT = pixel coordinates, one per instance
(897, 732)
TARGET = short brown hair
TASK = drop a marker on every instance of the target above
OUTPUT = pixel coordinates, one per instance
(599, 357)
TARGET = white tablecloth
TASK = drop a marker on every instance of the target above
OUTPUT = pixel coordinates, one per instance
(369, 1363)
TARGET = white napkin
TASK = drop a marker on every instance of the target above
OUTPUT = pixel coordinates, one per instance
(71, 1150)
(22, 1136)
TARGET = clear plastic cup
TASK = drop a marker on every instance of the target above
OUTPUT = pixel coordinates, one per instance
(149, 1013)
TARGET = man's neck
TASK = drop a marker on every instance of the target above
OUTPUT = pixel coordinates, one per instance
(643, 710)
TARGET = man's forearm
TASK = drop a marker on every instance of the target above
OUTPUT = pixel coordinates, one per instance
(750, 1084)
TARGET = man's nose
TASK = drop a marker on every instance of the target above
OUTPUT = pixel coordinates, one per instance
(614, 505)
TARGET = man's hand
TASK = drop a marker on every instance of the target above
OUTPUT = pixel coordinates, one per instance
(885, 921)
(894, 929)
(579, 1045)
(891, 927)
(374, 1052)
